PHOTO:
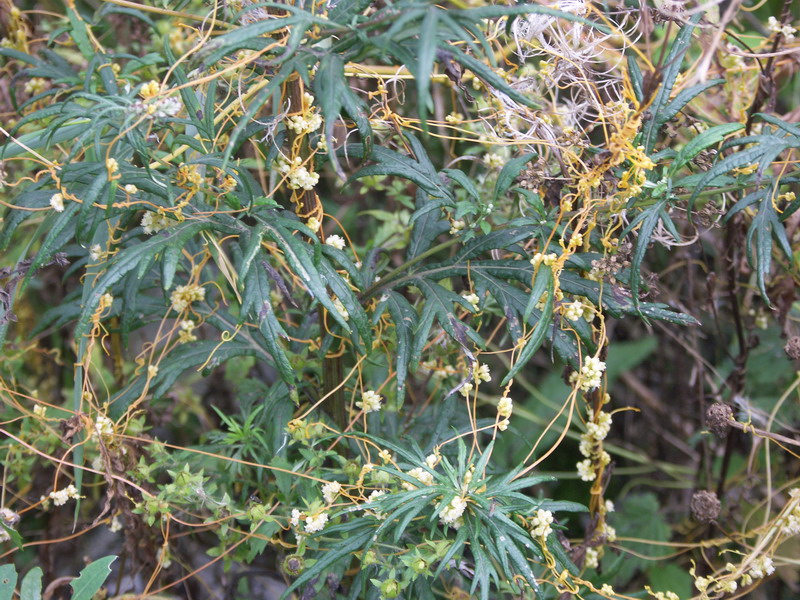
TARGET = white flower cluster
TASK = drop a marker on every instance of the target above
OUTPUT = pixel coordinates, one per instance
(370, 402)
(96, 252)
(452, 513)
(776, 26)
(481, 372)
(541, 522)
(591, 558)
(573, 311)
(153, 222)
(457, 226)
(160, 108)
(374, 495)
(57, 202)
(791, 522)
(596, 431)
(335, 241)
(313, 523)
(494, 161)
(184, 295)
(504, 409)
(60, 497)
(302, 125)
(663, 595)
(420, 474)
(9, 519)
(103, 428)
(330, 490)
(314, 224)
(761, 567)
(472, 300)
(186, 334)
(316, 522)
(591, 374)
(341, 309)
(546, 259)
(297, 176)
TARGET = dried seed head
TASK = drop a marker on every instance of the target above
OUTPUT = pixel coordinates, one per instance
(792, 348)
(705, 506)
(293, 565)
(718, 418)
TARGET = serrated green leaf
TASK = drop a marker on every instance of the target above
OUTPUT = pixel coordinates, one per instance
(91, 578)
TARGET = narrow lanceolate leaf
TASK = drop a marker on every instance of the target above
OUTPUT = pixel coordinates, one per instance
(540, 330)
(510, 172)
(405, 321)
(333, 94)
(426, 53)
(669, 74)
(709, 137)
(295, 252)
(133, 257)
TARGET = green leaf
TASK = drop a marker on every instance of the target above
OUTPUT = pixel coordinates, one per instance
(91, 578)
(8, 581)
(31, 588)
(540, 331)
(670, 73)
(509, 173)
(426, 54)
(697, 144)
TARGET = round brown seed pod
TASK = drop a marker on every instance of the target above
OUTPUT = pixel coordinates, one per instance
(718, 418)
(792, 347)
(705, 506)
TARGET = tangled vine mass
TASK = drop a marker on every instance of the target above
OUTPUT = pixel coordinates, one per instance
(396, 299)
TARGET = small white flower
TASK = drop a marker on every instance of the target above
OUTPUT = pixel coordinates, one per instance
(421, 475)
(316, 523)
(472, 299)
(103, 427)
(585, 470)
(482, 373)
(503, 425)
(335, 241)
(115, 525)
(314, 224)
(153, 222)
(295, 519)
(60, 497)
(453, 511)
(541, 522)
(57, 202)
(184, 295)
(505, 407)
(112, 165)
(494, 161)
(544, 259)
(130, 189)
(370, 401)
(330, 490)
(341, 309)
(39, 410)
(96, 252)
(457, 226)
(610, 506)
(152, 371)
(466, 389)
(592, 560)
(431, 460)
(573, 311)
